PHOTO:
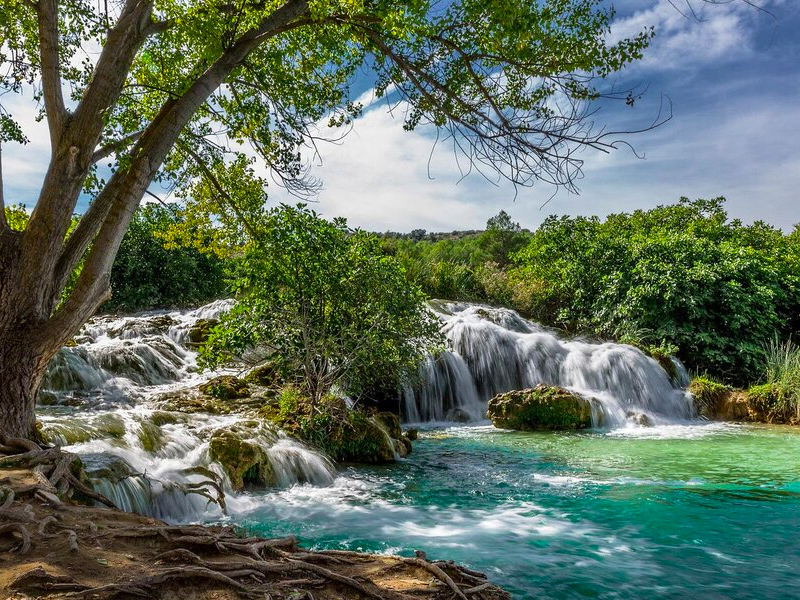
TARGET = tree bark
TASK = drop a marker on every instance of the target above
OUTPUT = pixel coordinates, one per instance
(22, 365)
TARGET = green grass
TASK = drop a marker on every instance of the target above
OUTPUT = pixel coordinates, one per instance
(782, 378)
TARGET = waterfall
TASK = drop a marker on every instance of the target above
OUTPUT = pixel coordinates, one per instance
(494, 350)
(98, 401)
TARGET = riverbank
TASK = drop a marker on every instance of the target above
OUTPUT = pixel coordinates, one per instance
(54, 548)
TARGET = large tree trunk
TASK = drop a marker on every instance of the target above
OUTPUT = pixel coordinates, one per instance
(22, 366)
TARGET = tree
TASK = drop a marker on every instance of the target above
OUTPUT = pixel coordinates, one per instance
(178, 88)
(324, 307)
(502, 238)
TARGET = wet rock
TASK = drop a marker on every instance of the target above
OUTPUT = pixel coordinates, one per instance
(540, 408)
(640, 419)
(226, 387)
(200, 331)
(244, 461)
(412, 434)
(457, 415)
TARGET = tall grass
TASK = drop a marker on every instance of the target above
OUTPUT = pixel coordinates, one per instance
(782, 370)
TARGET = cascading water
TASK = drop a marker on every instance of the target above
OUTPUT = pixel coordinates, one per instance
(494, 350)
(99, 395)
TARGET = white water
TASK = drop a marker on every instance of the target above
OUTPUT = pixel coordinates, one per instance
(494, 350)
(101, 396)
(101, 403)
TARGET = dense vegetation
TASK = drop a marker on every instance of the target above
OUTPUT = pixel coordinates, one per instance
(150, 272)
(679, 278)
(323, 306)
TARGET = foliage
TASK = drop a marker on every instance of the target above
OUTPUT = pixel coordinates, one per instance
(343, 434)
(708, 393)
(16, 217)
(324, 304)
(462, 266)
(683, 275)
(149, 272)
(781, 389)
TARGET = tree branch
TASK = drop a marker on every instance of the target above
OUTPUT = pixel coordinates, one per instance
(115, 146)
(47, 12)
(113, 209)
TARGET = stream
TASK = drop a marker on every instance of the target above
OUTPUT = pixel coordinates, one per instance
(650, 503)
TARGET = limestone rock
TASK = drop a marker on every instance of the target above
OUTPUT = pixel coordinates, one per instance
(541, 408)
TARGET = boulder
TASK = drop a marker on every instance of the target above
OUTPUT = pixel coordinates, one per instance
(457, 415)
(200, 331)
(541, 408)
(226, 387)
(244, 461)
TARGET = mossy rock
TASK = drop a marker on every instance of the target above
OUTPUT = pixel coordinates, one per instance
(150, 437)
(266, 375)
(541, 408)
(190, 401)
(244, 461)
(771, 403)
(200, 331)
(226, 387)
(709, 396)
(344, 434)
(162, 417)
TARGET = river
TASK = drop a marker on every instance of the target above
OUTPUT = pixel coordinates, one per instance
(677, 509)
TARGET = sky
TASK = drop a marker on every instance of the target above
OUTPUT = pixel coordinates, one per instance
(730, 73)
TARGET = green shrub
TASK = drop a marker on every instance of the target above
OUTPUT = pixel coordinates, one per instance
(708, 394)
(343, 434)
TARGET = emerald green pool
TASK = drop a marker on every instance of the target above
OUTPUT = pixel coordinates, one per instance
(700, 511)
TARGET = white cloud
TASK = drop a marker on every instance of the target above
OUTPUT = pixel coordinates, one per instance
(683, 39)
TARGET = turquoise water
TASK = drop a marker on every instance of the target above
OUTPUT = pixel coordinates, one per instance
(706, 511)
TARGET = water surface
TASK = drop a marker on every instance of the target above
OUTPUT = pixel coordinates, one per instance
(709, 510)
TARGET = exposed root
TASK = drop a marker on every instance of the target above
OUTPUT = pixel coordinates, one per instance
(438, 573)
(23, 531)
(51, 466)
(156, 561)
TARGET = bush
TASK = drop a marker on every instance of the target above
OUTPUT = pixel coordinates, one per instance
(683, 275)
(323, 305)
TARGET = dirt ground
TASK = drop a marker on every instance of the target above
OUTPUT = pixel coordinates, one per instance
(51, 548)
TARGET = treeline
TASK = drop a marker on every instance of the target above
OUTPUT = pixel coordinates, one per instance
(680, 279)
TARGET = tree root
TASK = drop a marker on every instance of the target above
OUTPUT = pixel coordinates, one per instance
(22, 530)
(50, 465)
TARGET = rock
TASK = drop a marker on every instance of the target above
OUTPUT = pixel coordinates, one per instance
(640, 419)
(392, 423)
(226, 387)
(200, 331)
(107, 466)
(541, 408)
(412, 434)
(344, 434)
(245, 462)
(457, 415)
(266, 375)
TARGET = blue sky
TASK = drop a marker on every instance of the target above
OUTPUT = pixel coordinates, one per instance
(733, 77)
